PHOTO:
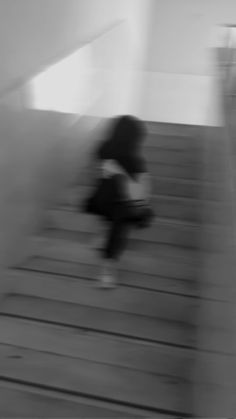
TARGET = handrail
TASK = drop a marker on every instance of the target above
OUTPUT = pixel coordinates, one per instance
(69, 50)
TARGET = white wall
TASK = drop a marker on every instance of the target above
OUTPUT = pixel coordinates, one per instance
(33, 32)
(96, 79)
(41, 151)
(180, 99)
(27, 140)
(180, 37)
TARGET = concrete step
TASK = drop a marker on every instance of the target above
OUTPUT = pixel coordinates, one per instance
(165, 260)
(165, 231)
(179, 208)
(149, 248)
(73, 271)
(167, 186)
(89, 272)
(186, 188)
(173, 155)
(100, 320)
(117, 324)
(153, 359)
(173, 140)
(164, 206)
(95, 380)
(170, 170)
(173, 170)
(166, 306)
(157, 359)
(51, 404)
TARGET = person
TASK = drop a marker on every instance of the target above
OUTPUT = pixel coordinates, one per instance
(122, 192)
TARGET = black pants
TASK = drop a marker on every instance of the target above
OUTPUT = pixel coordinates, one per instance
(120, 222)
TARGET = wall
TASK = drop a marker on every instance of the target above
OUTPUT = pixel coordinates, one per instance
(96, 79)
(179, 36)
(180, 98)
(27, 139)
(179, 71)
(214, 371)
(34, 33)
(41, 152)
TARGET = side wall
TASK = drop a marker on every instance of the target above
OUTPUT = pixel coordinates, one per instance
(179, 72)
(42, 152)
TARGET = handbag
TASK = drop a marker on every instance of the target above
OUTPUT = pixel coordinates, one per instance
(135, 198)
(136, 194)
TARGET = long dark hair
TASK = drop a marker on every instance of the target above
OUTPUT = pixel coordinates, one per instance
(124, 144)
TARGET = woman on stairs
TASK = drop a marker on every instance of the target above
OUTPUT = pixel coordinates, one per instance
(121, 196)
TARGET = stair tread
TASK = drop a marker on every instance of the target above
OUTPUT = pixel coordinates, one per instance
(171, 141)
(155, 359)
(163, 251)
(124, 299)
(167, 207)
(171, 262)
(99, 319)
(130, 300)
(168, 170)
(158, 220)
(171, 243)
(82, 243)
(93, 379)
(157, 198)
(176, 130)
(179, 188)
(27, 402)
(189, 171)
(160, 154)
(162, 231)
(76, 270)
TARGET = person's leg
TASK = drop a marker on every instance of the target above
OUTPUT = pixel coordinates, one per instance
(122, 218)
(100, 231)
(114, 246)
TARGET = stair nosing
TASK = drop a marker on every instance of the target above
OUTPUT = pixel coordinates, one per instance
(122, 367)
(95, 398)
(108, 336)
(73, 398)
(49, 232)
(123, 284)
(105, 333)
(99, 308)
(157, 220)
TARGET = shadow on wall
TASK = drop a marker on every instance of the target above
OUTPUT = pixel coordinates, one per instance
(40, 154)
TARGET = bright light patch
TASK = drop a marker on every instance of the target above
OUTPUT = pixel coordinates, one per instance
(67, 86)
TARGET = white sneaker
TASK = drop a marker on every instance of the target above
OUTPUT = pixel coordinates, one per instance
(107, 278)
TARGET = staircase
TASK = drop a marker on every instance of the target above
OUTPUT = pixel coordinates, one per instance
(70, 349)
